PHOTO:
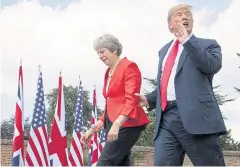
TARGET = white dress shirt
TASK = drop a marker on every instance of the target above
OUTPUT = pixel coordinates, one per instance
(171, 89)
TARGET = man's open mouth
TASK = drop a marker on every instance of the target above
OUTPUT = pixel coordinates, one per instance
(185, 24)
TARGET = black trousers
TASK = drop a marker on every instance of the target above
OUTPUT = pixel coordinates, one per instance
(173, 141)
(117, 153)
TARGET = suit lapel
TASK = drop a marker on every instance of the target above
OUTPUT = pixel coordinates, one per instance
(182, 58)
(181, 61)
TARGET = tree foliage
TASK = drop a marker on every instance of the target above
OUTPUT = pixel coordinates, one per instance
(228, 143)
(237, 89)
(146, 137)
(7, 128)
(221, 99)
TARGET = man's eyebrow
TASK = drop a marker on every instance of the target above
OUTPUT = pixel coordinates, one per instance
(178, 12)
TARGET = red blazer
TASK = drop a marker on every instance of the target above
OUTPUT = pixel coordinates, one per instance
(120, 98)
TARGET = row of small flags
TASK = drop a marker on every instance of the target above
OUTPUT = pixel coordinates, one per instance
(53, 150)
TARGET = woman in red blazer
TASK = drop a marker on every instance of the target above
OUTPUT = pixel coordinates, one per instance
(122, 119)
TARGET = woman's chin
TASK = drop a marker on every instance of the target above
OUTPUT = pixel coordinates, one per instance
(106, 63)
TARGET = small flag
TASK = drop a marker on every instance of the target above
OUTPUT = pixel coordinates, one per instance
(58, 140)
(76, 149)
(18, 136)
(94, 140)
(37, 149)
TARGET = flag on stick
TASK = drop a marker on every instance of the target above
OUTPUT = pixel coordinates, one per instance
(18, 136)
(94, 140)
(58, 140)
(76, 149)
(37, 149)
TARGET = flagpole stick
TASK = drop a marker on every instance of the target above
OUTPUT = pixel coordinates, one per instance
(39, 68)
(80, 79)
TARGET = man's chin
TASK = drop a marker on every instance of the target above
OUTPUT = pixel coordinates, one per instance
(189, 30)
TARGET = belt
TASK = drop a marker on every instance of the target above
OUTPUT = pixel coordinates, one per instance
(171, 105)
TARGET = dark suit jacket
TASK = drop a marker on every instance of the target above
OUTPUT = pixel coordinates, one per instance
(120, 98)
(197, 105)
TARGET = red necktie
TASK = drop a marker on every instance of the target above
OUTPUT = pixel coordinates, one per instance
(166, 74)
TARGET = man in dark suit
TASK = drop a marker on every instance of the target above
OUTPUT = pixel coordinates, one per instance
(188, 118)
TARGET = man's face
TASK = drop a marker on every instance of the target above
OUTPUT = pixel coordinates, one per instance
(184, 17)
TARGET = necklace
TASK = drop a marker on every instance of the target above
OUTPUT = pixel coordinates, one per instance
(110, 73)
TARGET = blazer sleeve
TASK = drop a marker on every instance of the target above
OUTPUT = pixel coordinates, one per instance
(208, 58)
(132, 83)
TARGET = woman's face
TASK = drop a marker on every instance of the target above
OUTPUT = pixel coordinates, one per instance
(106, 56)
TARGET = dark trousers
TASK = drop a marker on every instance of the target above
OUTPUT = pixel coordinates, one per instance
(117, 153)
(173, 141)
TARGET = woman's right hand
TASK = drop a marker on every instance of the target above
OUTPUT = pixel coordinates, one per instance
(86, 137)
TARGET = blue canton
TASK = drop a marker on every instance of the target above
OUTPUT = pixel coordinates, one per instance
(39, 114)
(78, 125)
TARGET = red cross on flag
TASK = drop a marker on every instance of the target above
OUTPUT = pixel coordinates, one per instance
(58, 139)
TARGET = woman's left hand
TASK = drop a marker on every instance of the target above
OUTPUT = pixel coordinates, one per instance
(113, 132)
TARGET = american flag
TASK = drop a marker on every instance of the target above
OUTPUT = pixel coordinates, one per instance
(76, 150)
(102, 141)
(37, 149)
(90, 155)
(58, 140)
(94, 141)
(18, 136)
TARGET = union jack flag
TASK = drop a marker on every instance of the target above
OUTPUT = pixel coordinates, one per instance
(58, 140)
(93, 152)
(76, 150)
(18, 136)
(37, 149)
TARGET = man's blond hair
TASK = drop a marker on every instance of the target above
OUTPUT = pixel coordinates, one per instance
(175, 8)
